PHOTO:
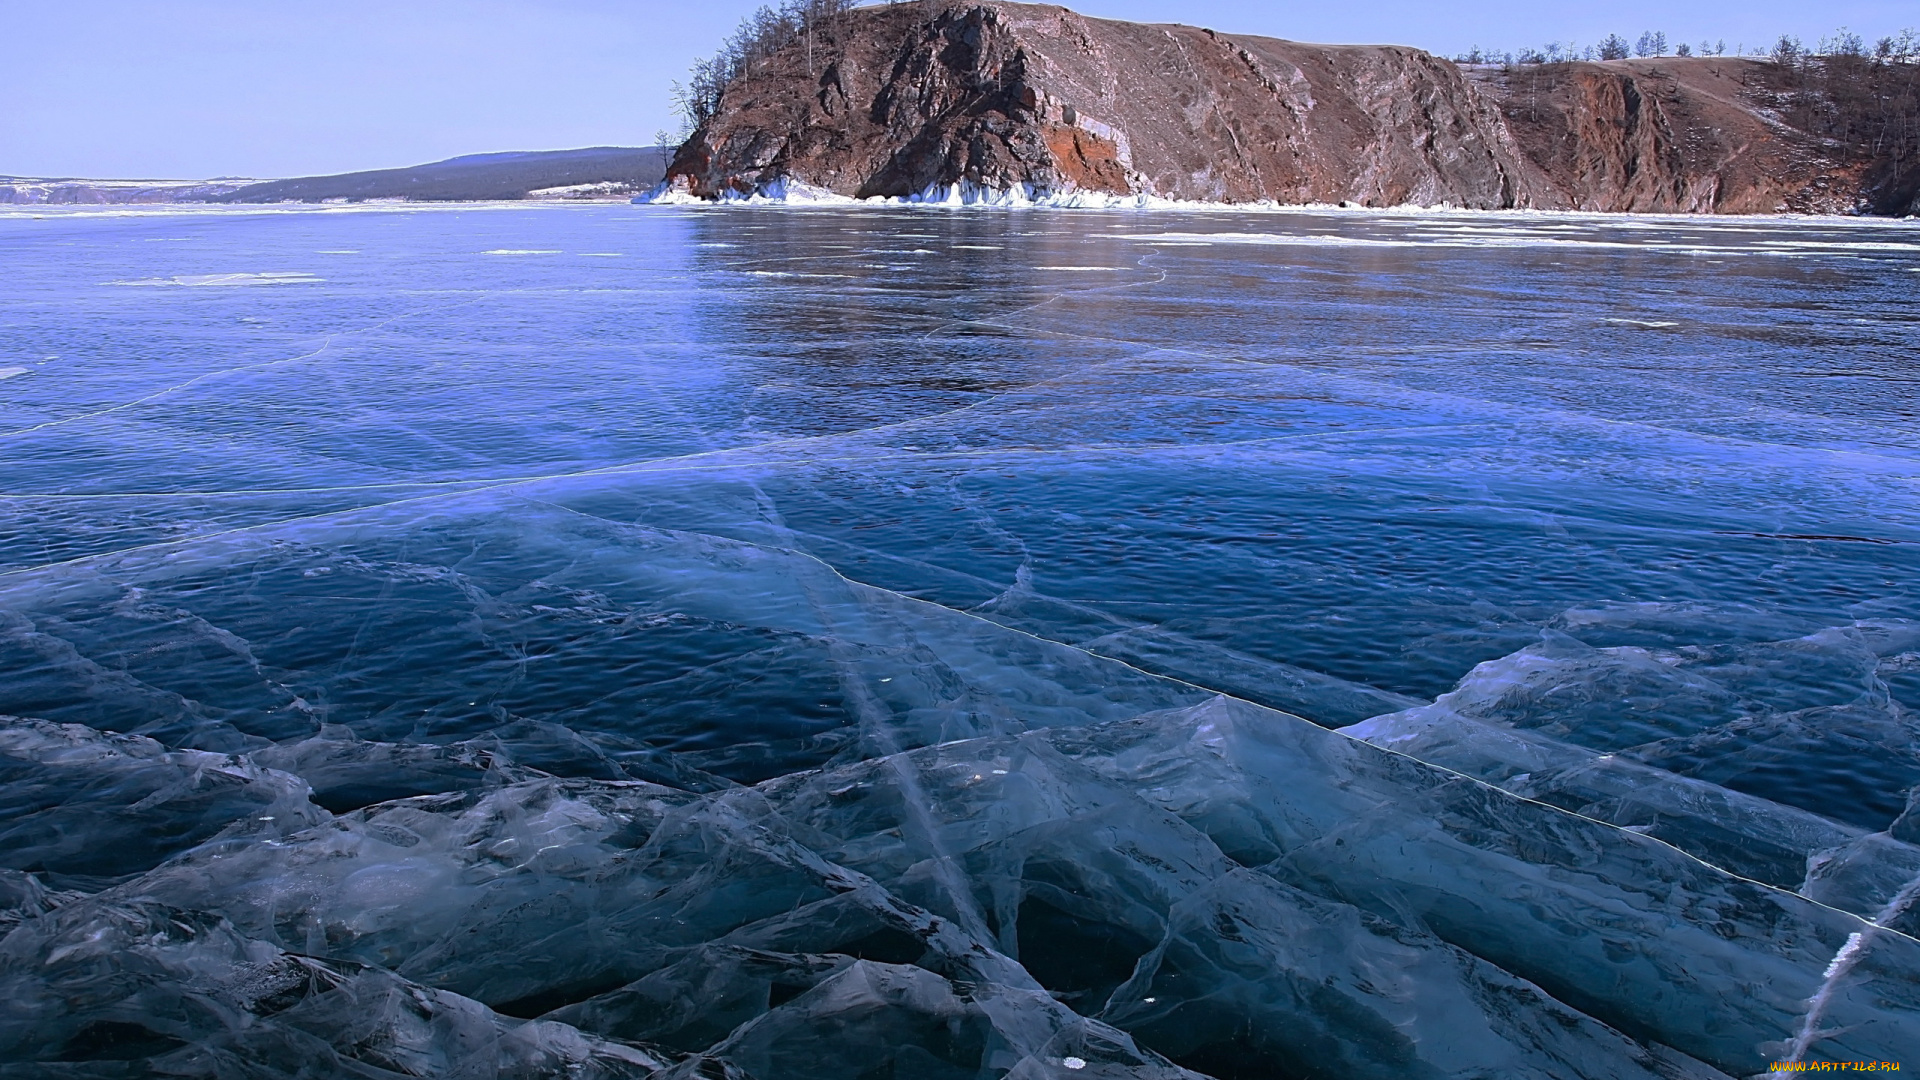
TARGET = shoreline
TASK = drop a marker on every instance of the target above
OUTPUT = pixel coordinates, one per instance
(967, 195)
(1142, 205)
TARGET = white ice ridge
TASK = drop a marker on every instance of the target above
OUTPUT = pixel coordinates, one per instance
(294, 277)
(784, 191)
(1581, 727)
(1844, 962)
(1522, 722)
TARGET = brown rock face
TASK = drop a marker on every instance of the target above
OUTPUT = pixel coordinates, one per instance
(1001, 95)
(1664, 136)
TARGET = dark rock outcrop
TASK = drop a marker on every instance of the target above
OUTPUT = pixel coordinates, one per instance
(1005, 95)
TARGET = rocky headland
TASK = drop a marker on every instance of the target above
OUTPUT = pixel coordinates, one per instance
(901, 99)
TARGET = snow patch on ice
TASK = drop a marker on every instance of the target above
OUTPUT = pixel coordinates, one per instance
(603, 189)
(1823, 245)
(1507, 236)
(204, 280)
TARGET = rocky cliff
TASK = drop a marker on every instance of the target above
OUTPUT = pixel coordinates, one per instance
(1000, 95)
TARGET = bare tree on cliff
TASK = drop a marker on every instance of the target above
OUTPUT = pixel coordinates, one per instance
(1864, 105)
(759, 36)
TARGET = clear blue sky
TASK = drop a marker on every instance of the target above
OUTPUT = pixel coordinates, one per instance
(198, 88)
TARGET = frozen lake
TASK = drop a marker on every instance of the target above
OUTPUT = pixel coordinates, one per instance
(916, 642)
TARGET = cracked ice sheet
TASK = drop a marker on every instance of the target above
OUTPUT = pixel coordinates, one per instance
(743, 659)
(1244, 547)
(1319, 478)
(941, 890)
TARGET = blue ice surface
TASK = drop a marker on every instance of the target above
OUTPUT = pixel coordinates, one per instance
(1608, 519)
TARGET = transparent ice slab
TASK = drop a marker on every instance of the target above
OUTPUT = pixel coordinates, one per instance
(1070, 892)
(577, 606)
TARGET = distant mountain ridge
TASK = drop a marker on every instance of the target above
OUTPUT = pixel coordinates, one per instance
(78, 191)
(584, 173)
(591, 172)
(904, 99)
